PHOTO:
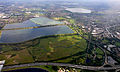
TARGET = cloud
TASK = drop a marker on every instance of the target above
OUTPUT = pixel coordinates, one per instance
(114, 0)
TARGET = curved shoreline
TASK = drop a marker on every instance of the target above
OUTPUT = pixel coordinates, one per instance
(37, 27)
(39, 38)
(32, 27)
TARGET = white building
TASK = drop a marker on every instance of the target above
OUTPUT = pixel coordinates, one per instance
(110, 47)
(1, 64)
(1, 15)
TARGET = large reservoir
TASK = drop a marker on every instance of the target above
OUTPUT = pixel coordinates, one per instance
(15, 35)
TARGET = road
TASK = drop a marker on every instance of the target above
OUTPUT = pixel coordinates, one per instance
(109, 32)
(62, 64)
(107, 29)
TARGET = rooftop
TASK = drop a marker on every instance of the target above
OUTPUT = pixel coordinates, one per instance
(1, 64)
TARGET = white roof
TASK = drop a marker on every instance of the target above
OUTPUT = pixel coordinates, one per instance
(2, 62)
(1, 66)
(111, 46)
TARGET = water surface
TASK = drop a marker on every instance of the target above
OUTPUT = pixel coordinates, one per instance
(79, 10)
(16, 36)
(25, 24)
(45, 21)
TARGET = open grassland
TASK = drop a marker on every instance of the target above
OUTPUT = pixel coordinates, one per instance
(54, 48)
(47, 49)
(16, 57)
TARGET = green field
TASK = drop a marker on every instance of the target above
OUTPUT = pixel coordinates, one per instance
(58, 47)
(50, 48)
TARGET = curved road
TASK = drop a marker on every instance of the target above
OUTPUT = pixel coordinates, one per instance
(62, 64)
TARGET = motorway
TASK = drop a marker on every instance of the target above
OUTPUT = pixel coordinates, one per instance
(107, 29)
(66, 65)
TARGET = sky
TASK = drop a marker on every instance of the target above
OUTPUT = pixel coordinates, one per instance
(71, 0)
(114, 0)
(101, 1)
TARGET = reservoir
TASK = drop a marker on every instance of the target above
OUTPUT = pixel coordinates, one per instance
(20, 32)
(16, 36)
(78, 10)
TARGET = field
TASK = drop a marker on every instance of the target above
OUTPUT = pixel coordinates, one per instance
(16, 57)
(59, 47)
(48, 49)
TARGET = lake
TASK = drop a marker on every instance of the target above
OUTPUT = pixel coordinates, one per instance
(78, 10)
(16, 36)
(45, 21)
(20, 32)
(25, 24)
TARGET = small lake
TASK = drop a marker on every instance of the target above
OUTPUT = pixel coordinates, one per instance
(20, 32)
(28, 70)
(79, 10)
(16, 36)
